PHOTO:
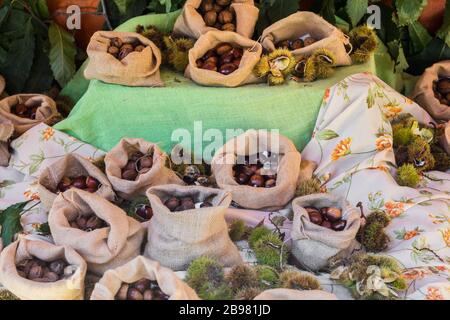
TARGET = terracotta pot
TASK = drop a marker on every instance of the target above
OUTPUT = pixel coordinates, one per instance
(90, 21)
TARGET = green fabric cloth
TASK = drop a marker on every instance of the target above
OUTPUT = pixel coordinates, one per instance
(106, 113)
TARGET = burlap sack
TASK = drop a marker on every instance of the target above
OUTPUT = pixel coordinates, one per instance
(303, 23)
(139, 268)
(243, 75)
(136, 69)
(251, 197)
(71, 288)
(291, 294)
(118, 157)
(175, 239)
(103, 248)
(445, 138)
(423, 92)
(72, 165)
(6, 132)
(46, 112)
(313, 245)
(191, 24)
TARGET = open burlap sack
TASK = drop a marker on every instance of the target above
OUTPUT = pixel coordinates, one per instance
(445, 138)
(251, 197)
(191, 24)
(314, 245)
(118, 157)
(72, 165)
(243, 75)
(136, 69)
(103, 248)
(137, 269)
(46, 112)
(71, 288)
(303, 23)
(291, 294)
(175, 239)
(423, 92)
(6, 132)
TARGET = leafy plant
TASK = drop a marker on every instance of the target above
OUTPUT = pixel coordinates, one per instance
(10, 222)
(35, 52)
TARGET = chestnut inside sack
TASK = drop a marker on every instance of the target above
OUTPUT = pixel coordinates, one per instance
(202, 16)
(224, 59)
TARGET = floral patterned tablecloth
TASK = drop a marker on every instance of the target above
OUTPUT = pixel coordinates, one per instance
(352, 145)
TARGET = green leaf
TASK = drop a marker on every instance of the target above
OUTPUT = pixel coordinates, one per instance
(356, 9)
(435, 51)
(40, 8)
(41, 75)
(419, 36)
(20, 53)
(444, 31)
(62, 54)
(401, 63)
(10, 222)
(409, 10)
(327, 134)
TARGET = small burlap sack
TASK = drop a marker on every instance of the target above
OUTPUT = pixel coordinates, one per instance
(103, 248)
(72, 165)
(118, 157)
(251, 197)
(302, 23)
(175, 239)
(191, 24)
(71, 288)
(291, 294)
(137, 269)
(6, 132)
(243, 75)
(313, 245)
(423, 92)
(46, 113)
(445, 138)
(136, 69)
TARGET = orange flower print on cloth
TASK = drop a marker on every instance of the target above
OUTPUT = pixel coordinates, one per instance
(434, 293)
(416, 274)
(326, 95)
(391, 110)
(342, 149)
(47, 134)
(394, 209)
(31, 195)
(384, 142)
(446, 236)
(407, 234)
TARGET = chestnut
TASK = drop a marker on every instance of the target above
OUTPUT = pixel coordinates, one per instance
(35, 272)
(123, 292)
(172, 203)
(225, 16)
(333, 214)
(209, 66)
(223, 48)
(199, 63)
(284, 44)
(145, 162)
(92, 183)
(116, 42)
(339, 225)
(148, 294)
(206, 204)
(270, 183)
(79, 182)
(223, 2)
(443, 86)
(217, 8)
(315, 217)
(93, 222)
(242, 178)
(81, 222)
(114, 51)
(142, 285)
(136, 156)
(57, 266)
(139, 48)
(238, 53)
(134, 294)
(51, 276)
(256, 181)
(326, 224)
(145, 212)
(125, 50)
(308, 41)
(129, 174)
(229, 27)
(210, 18)
(207, 5)
(227, 69)
(212, 60)
(297, 44)
(226, 58)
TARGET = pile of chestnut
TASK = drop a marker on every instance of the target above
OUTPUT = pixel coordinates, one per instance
(42, 271)
(296, 43)
(87, 223)
(218, 14)
(120, 50)
(85, 183)
(143, 289)
(25, 111)
(253, 175)
(441, 89)
(138, 163)
(176, 204)
(327, 217)
(224, 58)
